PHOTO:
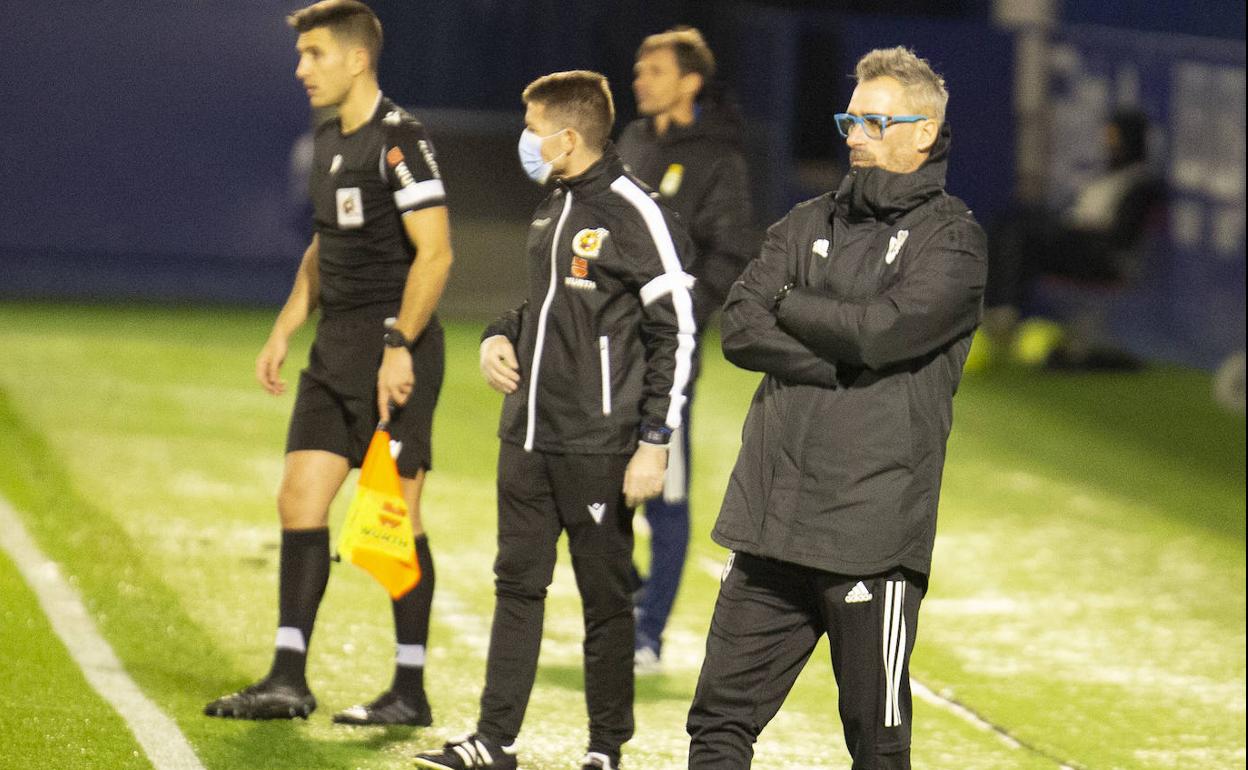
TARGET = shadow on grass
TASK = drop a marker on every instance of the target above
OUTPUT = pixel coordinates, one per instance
(269, 745)
(648, 689)
(378, 738)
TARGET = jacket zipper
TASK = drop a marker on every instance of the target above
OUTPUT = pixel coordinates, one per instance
(604, 357)
(541, 325)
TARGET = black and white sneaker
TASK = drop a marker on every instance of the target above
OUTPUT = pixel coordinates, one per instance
(265, 699)
(596, 761)
(467, 754)
(389, 708)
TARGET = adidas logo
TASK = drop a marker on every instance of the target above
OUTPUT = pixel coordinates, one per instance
(857, 594)
(597, 510)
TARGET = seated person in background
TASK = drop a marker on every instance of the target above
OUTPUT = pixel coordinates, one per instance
(1094, 240)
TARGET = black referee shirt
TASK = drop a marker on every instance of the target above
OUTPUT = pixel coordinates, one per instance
(362, 183)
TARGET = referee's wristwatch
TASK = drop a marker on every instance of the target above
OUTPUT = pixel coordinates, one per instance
(395, 338)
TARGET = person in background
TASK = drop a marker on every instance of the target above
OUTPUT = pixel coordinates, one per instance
(688, 147)
(1096, 239)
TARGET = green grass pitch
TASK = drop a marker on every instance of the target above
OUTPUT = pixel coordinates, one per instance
(1087, 594)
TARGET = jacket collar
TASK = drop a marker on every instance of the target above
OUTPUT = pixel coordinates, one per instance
(675, 132)
(886, 196)
(598, 177)
(710, 122)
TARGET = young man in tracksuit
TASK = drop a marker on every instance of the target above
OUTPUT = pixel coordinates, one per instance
(860, 311)
(595, 366)
(688, 148)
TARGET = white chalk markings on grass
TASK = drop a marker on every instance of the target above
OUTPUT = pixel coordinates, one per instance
(924, 693)
(157, 734)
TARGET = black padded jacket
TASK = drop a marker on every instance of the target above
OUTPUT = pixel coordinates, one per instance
(844, 445)
(605, 340)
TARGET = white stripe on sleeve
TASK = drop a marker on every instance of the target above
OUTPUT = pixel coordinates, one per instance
(413, 195)
(681, 299)
(665, 284)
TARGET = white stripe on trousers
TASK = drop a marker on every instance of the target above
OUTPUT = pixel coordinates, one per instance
(894, 649)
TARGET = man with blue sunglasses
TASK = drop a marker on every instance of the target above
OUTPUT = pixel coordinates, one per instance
(859, 312)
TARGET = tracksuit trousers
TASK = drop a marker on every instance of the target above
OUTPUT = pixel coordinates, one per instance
(767, 621)
(539, 496)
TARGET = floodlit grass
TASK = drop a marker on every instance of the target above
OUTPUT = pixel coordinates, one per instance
(1087, 595)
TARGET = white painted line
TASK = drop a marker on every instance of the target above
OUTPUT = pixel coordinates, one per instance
(922, 692)
(157, 734)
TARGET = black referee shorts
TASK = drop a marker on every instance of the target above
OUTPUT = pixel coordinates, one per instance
(336, 407)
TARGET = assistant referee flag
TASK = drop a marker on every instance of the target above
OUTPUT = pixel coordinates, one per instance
(377, 535)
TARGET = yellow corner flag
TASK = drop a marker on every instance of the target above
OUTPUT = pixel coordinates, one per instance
(377, 535)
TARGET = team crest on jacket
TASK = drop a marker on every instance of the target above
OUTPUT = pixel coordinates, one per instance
(894, 246)
(671, 180)
(588, 242)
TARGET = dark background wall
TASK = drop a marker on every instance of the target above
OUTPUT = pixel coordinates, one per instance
(145, 150)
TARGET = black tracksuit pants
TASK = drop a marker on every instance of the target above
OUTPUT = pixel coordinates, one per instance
(767, 621)
(539, 496)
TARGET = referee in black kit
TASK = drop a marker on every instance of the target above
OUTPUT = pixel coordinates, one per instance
(859, 310)
(376, 267)
(594, 367)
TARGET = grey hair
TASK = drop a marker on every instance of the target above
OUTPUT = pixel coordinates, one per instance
(924, 88)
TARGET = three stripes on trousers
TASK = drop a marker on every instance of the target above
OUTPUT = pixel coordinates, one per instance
(894, 649)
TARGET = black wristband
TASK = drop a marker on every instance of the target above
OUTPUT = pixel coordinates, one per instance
(395, 339)
(659, 436)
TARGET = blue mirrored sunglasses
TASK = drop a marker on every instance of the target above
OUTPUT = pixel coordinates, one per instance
(872, 125)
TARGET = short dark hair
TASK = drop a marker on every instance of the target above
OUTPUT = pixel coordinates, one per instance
(347, 20)
(690, 48)
(579, 97)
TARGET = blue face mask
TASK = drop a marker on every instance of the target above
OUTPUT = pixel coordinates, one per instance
(531, 159)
